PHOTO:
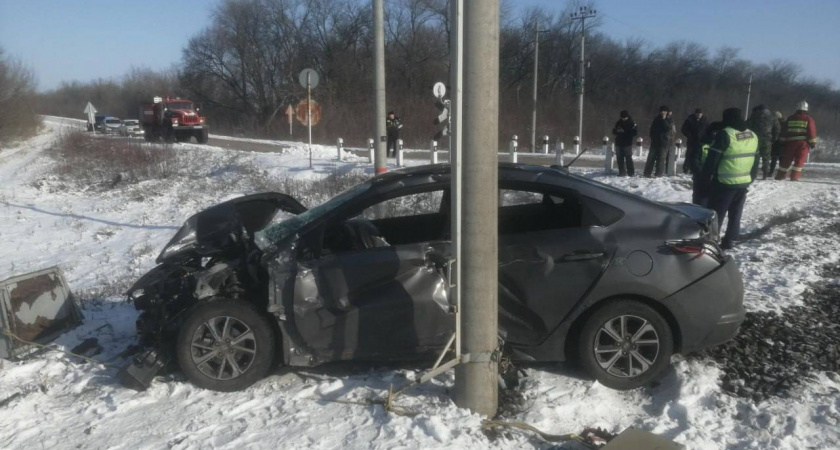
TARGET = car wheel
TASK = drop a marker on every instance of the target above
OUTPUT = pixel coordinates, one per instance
(225, 345)
(626, 344)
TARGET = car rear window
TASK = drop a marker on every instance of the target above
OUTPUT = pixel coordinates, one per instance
(112, 121)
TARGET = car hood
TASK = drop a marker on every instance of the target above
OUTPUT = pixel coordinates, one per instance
(210, 230)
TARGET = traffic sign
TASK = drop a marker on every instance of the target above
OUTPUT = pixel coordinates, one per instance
(313, 78)
(439, 89)
(301, 112)
(90, 111)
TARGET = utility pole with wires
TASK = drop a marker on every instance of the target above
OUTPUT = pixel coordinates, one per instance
(536, 68)
(379, 85)
(583, 13)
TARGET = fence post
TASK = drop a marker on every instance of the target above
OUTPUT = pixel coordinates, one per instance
(558, 153)
(399, 152)
(433, 155)
(339, 145)
(370, 151)
(576, 141)
(514, 144)
(608, 155)
(545, 145)
(639, 142)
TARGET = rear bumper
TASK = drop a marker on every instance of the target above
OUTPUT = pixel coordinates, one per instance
(710, 310)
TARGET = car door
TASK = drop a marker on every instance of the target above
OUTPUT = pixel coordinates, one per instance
(550, 255)
(369, 299)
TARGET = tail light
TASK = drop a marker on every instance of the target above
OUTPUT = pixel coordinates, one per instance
(697, 247)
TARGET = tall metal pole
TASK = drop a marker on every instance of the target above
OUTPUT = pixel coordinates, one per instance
(583, 13)
(456, 77)
(749, 91)
(309, 112)
(379, 85)
(536, 65)
(476, 379)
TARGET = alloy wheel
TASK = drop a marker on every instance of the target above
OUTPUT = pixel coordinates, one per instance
(626, 346)
(223, 348)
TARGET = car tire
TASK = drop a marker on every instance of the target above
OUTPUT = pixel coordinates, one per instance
(625, 344)
(225, 345)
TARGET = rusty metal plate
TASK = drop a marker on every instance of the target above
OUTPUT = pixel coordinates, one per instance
(35, 307)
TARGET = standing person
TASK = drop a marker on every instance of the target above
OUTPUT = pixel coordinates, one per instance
(764, 124)
(778, 145)
(392, 125)
(693, 129)
(661, 138)
(698, 195)
(625, 130)
(729, 169)
(798, 137)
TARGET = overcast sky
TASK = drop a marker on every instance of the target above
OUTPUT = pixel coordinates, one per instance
(88, 39)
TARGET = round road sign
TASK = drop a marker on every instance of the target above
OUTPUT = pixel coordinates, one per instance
(300, 112)
(439, 89)
(313, 78)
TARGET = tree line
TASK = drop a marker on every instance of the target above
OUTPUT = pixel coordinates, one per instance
(243, 68)
(18, 117)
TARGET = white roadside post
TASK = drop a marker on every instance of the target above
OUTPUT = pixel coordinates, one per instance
(399, 152)
(91, 116)
(512, 148)
(339, 146)
(558, 153)
(433, 154)
(545, 145)
(576, 141)
(371, 150)
(608, 156)
(639, 141)
(672, 164)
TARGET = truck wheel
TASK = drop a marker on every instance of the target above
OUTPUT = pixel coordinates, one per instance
(183, 137)
(202, 136)
(626, 344)
(225, 345)
(148, 136)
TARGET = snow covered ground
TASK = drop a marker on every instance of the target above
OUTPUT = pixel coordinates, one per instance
(103, 239)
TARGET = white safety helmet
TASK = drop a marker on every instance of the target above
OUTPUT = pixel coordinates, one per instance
(802, 106)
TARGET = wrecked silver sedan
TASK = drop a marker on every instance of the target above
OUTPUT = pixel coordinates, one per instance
(586, 271)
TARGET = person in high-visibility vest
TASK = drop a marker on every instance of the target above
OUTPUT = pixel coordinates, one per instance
(798, 138)
(728, 171)
(698, 197)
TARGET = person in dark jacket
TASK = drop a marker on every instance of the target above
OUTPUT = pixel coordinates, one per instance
(778, 145)
(693, 129)
(766, 126)
(625, 130)
(698, 196)
(661, 141)
(392, 126)
(729, 169)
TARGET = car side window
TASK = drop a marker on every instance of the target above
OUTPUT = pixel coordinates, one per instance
(531, 210)
(405, 206)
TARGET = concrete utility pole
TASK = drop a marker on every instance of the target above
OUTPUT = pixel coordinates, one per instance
(583, 13)
(379, 85)
(456, 132)
(536, 66)
(476, 379)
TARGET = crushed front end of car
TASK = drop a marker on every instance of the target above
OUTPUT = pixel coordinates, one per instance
(212, 256)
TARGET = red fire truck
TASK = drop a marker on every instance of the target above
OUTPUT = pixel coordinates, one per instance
(172, 119)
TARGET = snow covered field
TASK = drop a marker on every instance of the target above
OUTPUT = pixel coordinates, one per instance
(105, 238)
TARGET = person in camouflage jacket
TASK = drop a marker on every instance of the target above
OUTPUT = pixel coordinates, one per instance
(765, 125)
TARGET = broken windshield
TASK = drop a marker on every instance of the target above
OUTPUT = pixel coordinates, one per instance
(282, 230)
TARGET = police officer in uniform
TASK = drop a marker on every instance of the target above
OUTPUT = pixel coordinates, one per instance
(730, 167)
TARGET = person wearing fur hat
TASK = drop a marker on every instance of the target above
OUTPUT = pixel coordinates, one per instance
(625, 130)
(662, 132)
(728, 171)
